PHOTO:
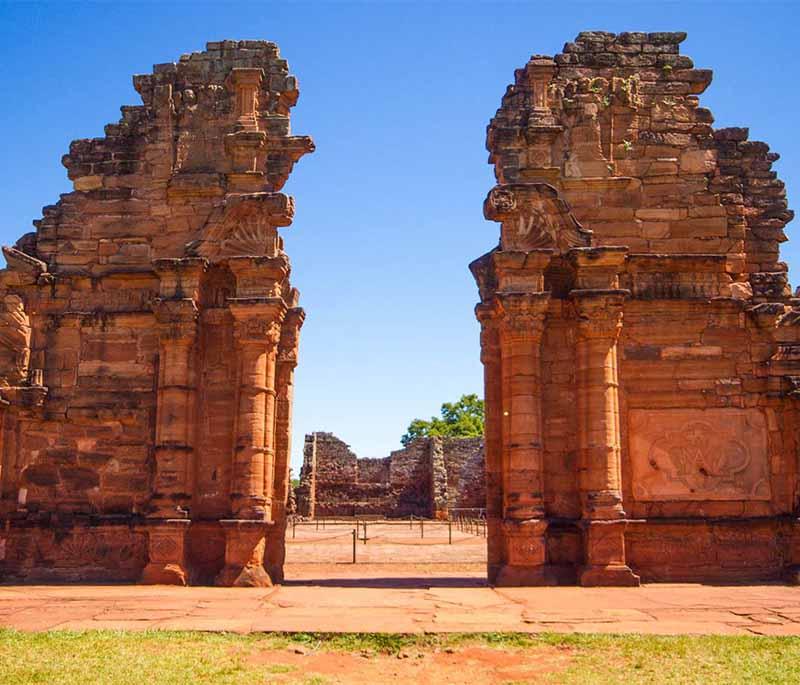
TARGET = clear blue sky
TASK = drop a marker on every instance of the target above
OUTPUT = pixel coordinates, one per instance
(397, 97)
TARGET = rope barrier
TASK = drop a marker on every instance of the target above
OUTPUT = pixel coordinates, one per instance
(332, 537)
(389, 541)
(417, 543)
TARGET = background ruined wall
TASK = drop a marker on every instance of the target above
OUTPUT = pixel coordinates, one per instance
(404, 483)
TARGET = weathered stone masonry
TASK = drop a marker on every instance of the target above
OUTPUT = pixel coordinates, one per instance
(639, 339)
(428, 478)
(148, 338)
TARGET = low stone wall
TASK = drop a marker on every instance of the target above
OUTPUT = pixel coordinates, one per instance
(426, 478)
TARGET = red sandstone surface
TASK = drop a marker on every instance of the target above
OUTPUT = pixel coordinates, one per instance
(149, 336)
(640, 344)
(638, 334)
(369, 599)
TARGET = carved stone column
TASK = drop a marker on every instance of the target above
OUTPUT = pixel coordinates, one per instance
(521, 328)
(487, 314)
(257, 334)
(176, 313)
(174, 445)
(598, 304)
(258, 311)
(284, 385)
(8, 470)
(246, 145)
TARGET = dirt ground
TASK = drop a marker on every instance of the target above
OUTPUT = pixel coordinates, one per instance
(418, 542)
(464, 574)
(476, 665)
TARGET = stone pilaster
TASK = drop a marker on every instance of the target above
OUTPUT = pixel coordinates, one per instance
(522, 325)
(598, 305)
(523, 529)
(284, 385)
(258, 311)
(487, 314)
(246, 145)
(176, 313)
(257, 334)
(8, 466)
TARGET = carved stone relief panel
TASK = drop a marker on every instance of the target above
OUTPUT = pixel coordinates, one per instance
(695, 454)
(15, 340)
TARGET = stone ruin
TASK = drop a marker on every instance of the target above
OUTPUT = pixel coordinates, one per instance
(148, 337)
(640, 343)
(427, 478)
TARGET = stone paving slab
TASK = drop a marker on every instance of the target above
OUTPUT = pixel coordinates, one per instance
(426, 607)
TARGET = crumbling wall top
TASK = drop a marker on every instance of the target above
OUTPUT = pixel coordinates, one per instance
(213, 130)
(614, 124)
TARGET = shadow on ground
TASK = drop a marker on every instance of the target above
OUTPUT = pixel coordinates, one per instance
(410, 583)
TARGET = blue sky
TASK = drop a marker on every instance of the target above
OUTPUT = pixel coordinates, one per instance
(397, 97)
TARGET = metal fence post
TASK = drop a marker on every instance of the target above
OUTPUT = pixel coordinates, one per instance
(354, 545)
(449, 531)
(422, 528)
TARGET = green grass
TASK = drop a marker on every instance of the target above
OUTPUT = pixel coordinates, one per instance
(125, 658)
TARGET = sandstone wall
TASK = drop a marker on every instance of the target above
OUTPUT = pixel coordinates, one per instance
(148, 332)
(334, 482)
(639, 337)
(465, 465)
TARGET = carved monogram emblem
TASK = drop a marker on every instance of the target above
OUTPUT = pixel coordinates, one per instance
(705, 455)
(502, 200)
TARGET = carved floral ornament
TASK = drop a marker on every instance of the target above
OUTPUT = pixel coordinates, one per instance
(15, 341)
(599, 317)
(258, 330)
(534, 216)
(523, 313)
(246, 225)
(488, 315)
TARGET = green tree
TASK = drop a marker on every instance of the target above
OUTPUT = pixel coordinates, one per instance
(461, 419)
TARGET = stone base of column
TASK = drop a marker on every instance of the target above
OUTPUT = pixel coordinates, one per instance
(275, 552)
(525, 554)
(250, 508)
(608, 576)
(245, 543)
(792, 570)
(167, 553)
(605, 556)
